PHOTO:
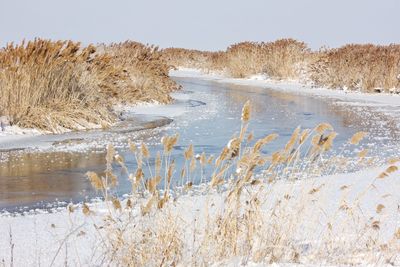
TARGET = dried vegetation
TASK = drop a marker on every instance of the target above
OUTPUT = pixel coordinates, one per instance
(53, 85)
(146, 69)
(368, 68)
(241, 216)
(279, 59)
(60, 85)
(359, 67)
(180, 57)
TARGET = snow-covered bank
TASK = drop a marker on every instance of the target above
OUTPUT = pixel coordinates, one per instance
(16, 138)
(131, 119)
(370, 99)
(12, 134)
(156, 109)
(42, 238)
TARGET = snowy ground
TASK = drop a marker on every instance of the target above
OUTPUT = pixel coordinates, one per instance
(13, 134)
(41, 238)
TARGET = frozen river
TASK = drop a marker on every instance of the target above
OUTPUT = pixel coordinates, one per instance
(205, 113)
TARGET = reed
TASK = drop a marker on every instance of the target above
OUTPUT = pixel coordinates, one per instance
(187, 58)
(279, 59)
(366, 68)
(146, 71)
(59, 85)
(53, 85)
(276, 216)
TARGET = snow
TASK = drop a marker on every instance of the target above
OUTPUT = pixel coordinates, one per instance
(12, 134)
(155, 109)
(39, 237)
(16, 138)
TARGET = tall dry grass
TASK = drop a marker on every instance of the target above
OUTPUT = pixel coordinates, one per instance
(187, 58)
(60, 85)
(368, 68)
(359, 67)
(147, 72)
(279, 59)
(53, 85)
(238, 216)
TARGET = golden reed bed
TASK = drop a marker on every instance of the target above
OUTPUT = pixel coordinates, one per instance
(60, 85)
(369, 68)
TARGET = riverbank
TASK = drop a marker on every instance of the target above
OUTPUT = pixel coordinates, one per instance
(130, 120)
(296, 87)
(365, 68)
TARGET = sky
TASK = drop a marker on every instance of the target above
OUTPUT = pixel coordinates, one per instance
(203, 24)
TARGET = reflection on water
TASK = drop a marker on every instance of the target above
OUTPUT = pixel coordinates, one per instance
(28, 178)
(44, 177)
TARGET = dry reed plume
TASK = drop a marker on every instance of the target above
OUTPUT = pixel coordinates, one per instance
(59, 85)
(53, 85)
(147, 72)
(279, 59)
(272, 217)
(368, 68)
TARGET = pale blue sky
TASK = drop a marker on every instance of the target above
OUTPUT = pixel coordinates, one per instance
(205, 24)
